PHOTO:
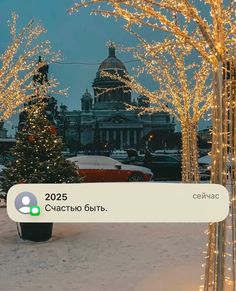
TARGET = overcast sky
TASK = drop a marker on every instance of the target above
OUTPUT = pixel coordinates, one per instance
(80, 38)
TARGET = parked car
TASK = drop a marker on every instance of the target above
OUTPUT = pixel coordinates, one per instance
(164, 167)
(205, 167)
(173, 153)
(106, 169)
(119, 155)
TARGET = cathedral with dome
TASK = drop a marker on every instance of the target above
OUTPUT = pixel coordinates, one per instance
(103, 118)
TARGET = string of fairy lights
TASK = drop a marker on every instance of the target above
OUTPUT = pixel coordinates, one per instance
(90, 64)
(213, 36)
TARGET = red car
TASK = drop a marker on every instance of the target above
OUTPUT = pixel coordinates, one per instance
(105, 169)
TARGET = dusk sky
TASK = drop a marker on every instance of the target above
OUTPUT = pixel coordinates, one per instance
(80, 37)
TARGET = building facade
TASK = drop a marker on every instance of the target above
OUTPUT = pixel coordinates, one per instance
(104, 121)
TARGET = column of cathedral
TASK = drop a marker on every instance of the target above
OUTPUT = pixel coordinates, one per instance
(107, 135)
(128, 137)
(135, 137)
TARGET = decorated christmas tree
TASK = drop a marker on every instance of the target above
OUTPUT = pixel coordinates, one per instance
(37, 156)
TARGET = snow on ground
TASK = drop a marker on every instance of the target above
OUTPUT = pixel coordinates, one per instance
(103, 257)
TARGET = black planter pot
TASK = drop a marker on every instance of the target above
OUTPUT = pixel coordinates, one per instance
(36, 231)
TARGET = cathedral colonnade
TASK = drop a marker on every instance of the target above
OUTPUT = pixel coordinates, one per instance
(121, 137)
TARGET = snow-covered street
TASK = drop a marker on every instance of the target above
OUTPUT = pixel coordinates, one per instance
(103, 257)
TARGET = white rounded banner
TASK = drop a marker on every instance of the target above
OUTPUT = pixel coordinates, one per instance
(118, 202)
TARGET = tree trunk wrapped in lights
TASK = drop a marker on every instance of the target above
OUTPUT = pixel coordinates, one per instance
(208, 26)
(18, 66)
(190, 171)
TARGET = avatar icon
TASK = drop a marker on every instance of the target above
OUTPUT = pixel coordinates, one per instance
(24, 201)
